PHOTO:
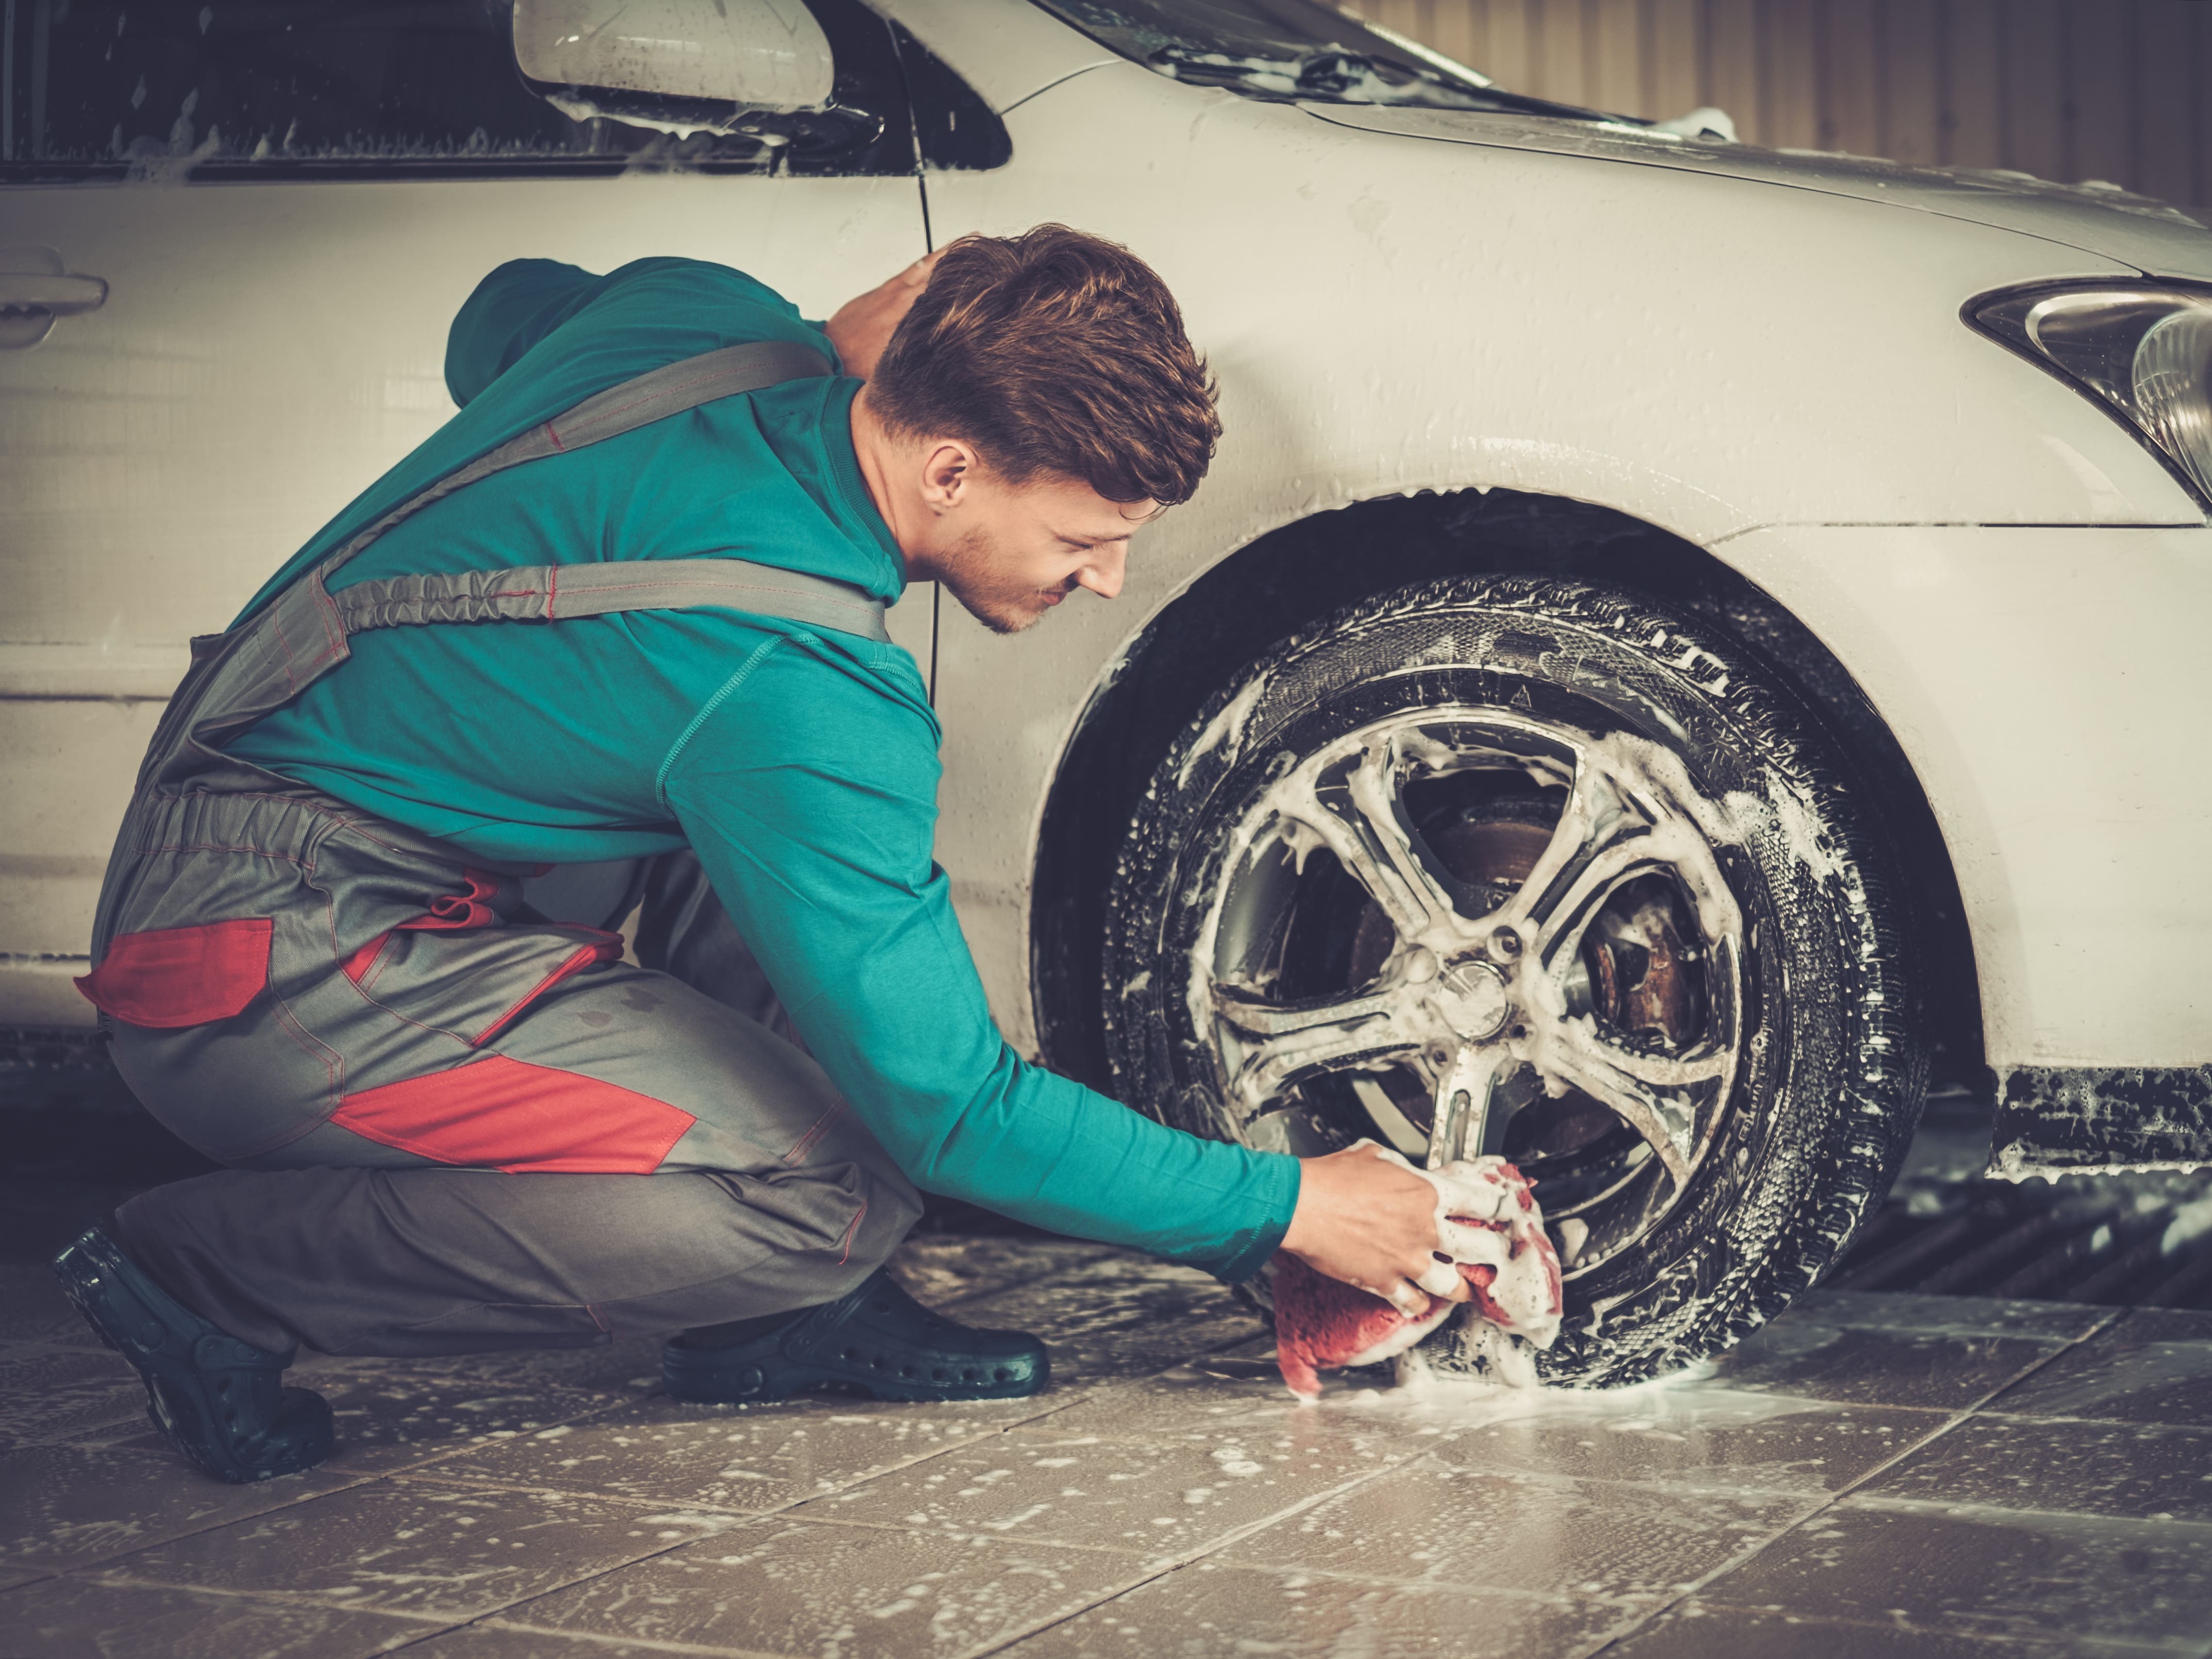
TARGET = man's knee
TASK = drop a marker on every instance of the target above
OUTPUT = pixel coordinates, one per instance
(892, 1205)
(731, 1246)
(887, 1209)
(811, 1234)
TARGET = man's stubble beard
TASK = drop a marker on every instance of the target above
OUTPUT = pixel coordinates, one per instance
(966, 571)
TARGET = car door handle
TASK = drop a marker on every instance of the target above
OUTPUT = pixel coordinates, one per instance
(35, 288)
(64, 297)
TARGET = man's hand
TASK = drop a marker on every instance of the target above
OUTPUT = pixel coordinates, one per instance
(1369, 1218)
(862, 327)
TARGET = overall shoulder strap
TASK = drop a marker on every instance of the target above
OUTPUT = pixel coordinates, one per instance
(650, 397)
(550, 592)
(301, 635)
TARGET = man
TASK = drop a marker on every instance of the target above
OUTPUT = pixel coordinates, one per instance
(611, 643)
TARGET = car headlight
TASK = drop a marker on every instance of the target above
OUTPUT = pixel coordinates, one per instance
(2145, 351)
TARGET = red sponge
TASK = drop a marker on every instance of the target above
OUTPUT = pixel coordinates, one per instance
(1324, 1324)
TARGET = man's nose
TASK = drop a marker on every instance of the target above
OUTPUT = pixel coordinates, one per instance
(1103, 575)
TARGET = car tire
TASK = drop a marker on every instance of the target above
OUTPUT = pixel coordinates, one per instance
(1526, 865)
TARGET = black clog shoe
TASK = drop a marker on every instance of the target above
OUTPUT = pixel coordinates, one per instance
(218, 1400)
(877, 1338)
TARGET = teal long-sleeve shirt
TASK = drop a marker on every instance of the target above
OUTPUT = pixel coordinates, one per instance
(800, 763)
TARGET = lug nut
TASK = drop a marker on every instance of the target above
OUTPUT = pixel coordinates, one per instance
(1505, 944)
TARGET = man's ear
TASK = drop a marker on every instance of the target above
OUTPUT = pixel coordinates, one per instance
(947, 473)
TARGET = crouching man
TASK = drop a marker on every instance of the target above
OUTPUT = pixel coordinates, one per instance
(610, 644)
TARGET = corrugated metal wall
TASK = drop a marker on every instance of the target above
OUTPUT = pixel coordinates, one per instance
(2119, 90)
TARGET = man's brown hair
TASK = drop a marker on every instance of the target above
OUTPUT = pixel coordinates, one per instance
(1054, 352)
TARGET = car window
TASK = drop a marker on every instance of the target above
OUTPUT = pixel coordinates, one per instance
(1290, 49)
(208, 88)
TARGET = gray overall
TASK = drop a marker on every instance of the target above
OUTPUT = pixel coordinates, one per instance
(454, 1118)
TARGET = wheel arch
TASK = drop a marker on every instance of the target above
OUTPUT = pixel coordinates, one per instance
(1298, 573)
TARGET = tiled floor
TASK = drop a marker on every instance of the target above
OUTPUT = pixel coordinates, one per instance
(1879, 1475)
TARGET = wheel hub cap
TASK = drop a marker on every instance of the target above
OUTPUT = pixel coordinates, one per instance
(1471, 996)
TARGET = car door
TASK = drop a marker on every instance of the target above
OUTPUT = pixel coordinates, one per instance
(232, 238)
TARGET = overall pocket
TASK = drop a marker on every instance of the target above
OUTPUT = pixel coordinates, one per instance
(178, 976)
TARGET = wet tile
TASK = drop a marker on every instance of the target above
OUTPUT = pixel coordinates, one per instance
(1964, 1316)
(1040, 1486)
(1238, 1396)
(82, 1619)
(1115, 1322)
(388, 1421)
(631, 1368)
(751, 1459)
(1615, 1500)
(784, 1587)
(407, 1547)
(1985, 1571)
(65, 1505)
(1430, 1522)
(1930, 1369)
(940, 1269)
(2121, 1380)
(1692, 1434)
(488, 1641)
(2165, 1324)
(1700, 1632)
(49, 1394)
(32, 1305)
(1131, 1267)
(1701, 1438)
(2151, 1472)
(1211, 1609)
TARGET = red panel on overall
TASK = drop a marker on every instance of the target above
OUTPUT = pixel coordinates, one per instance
(608, 947)
(361, 961)
(175, 977)
(461, 910)
(508, 1115)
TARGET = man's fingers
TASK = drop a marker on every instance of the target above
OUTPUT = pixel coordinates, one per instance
(1439, 1278)
(1462, 1241)
(1406, 1296)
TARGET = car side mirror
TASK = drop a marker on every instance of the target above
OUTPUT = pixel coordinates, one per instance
(761, 66)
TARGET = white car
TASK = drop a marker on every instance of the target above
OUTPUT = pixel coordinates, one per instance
(1677, 634)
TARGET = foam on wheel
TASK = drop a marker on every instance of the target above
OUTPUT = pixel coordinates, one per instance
(1524, 866)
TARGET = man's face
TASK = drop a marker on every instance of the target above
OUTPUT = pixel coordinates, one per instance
(1013, 551)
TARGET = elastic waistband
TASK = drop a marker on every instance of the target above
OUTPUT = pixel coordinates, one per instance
(279, 824)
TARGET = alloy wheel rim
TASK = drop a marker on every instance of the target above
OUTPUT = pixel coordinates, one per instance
(1493, 998)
